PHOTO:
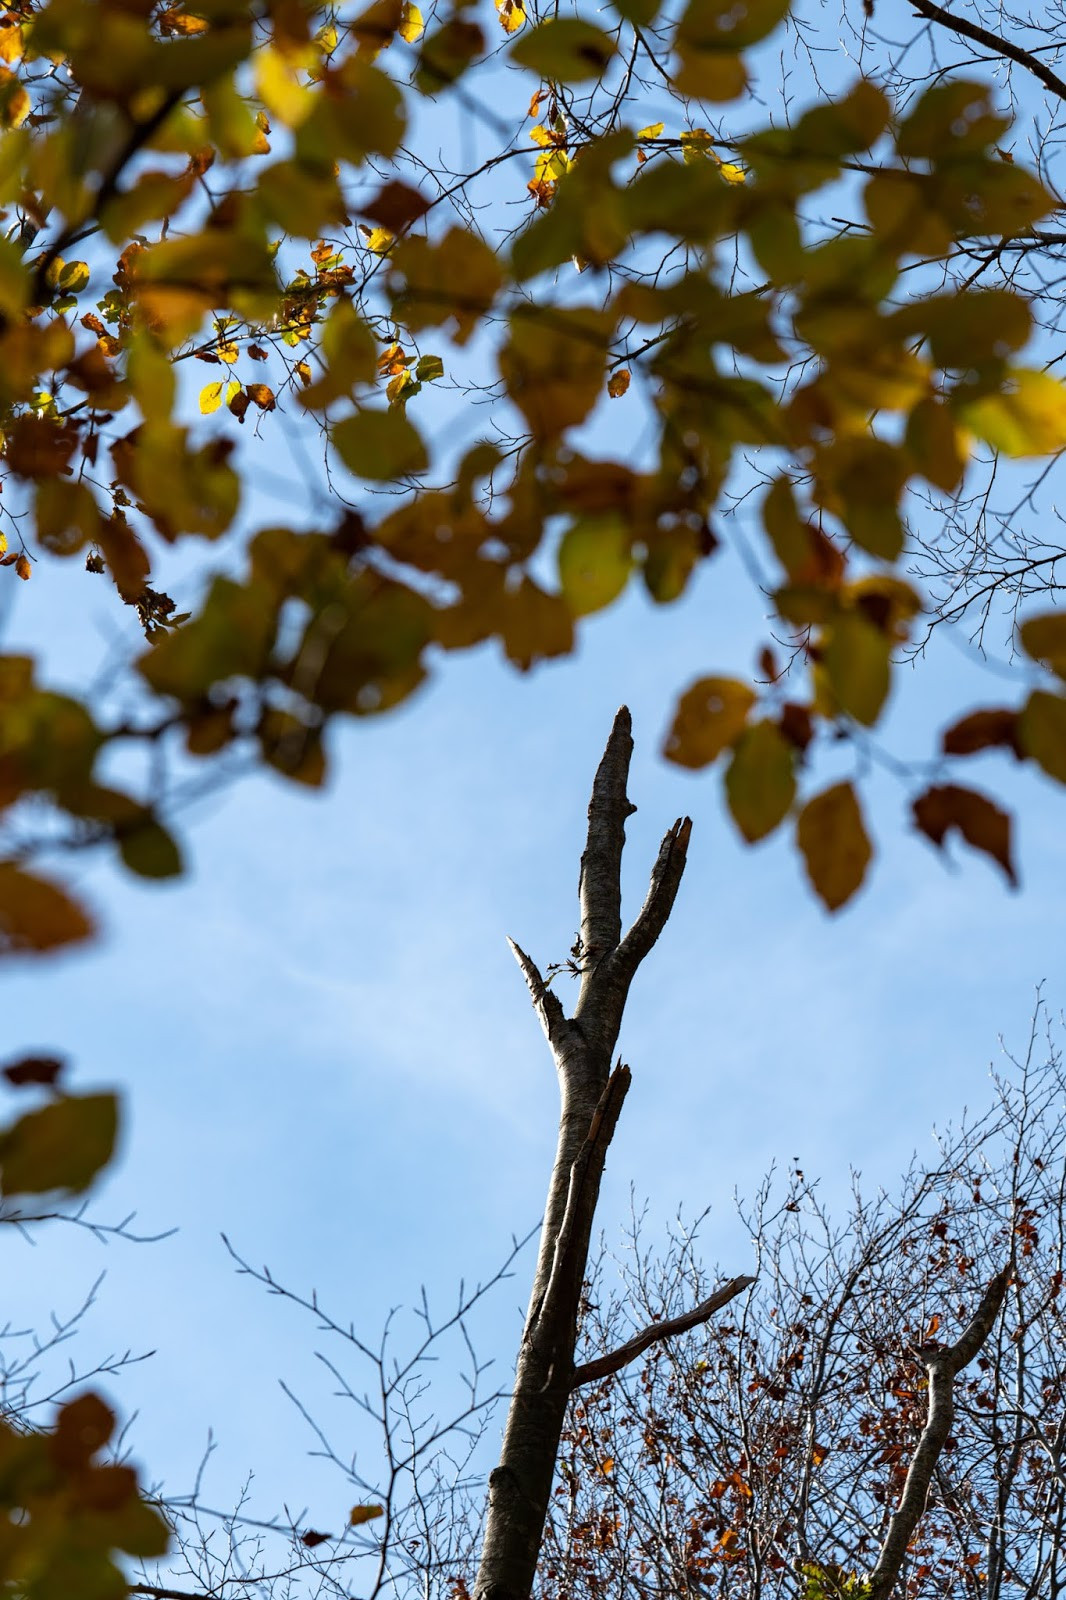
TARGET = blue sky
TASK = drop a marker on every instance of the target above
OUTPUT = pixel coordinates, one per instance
(327, 1052)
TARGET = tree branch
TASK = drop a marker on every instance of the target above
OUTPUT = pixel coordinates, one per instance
(604, 1366)
(991, 41)
(548, 1006)
(659, 902)
(600, 882)
(943, 1363)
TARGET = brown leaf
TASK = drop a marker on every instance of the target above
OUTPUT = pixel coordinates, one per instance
(35, 1070)
(982, 730)
(36, 914)
(396, 206)
(982, 824)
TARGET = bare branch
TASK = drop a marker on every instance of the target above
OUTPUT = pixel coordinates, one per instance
(600, 882)
(548, 1006)
(659, 902)
(604, 1366)
(942, 1363)
(991, 41)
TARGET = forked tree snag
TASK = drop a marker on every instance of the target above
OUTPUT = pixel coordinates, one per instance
(943, 1363)
(591, 1099)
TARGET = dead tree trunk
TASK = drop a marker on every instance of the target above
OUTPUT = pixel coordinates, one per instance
(591, 1094)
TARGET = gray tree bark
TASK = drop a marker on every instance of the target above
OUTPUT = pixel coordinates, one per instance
(591, 1100)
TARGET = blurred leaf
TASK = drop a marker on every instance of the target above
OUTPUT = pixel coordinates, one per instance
(34, 1070)
(380, 446)
(1026, 419)
(856, 659)
(1042, 732)
(836, 850)
(61, 1146)
(595, 560)
(149, 850)
(361, 1514)
(710, 716)
(760, 784)
(564, 50)
(982, 824)
(36, 914)
(982, 730)
(1043, 639)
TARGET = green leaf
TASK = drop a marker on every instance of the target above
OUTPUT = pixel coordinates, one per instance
(710, 716)
(1042, 732)
(857, 665)
(835, 847)
(61, 1146)
(429, 368)
(564, 50)
(595, 560)
(380, 445)
(149, 850)
(760, 784)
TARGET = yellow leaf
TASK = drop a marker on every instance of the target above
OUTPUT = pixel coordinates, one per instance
(695, 146)
(227, 353)
(595, 560)
(711, 715)
(412, 26)
(210, 398)
(379, 240)
(512, 15)
(651, 132)
(551, 166)
(731, 172)
(1028, 419)
(73, 277)
(279, 88)
(361, 1514)
(831, 835)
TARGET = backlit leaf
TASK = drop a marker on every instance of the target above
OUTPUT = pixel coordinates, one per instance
(981, 730)
(857, 664)
(618, 383)
(211, 397)
(832, 838)
(565, 50)
(760, 783)
(595, 560)
(710, 716)
(1027, 419)
(380, 445)
(512, 15)
(411, 26)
